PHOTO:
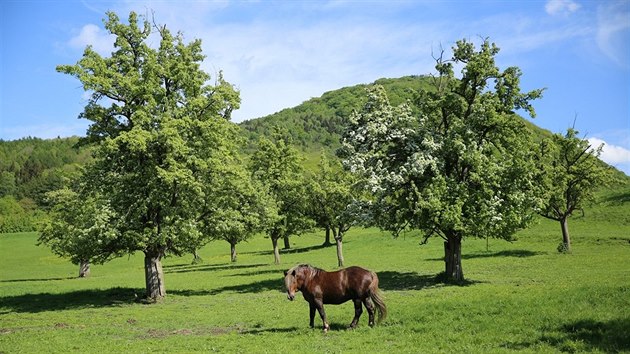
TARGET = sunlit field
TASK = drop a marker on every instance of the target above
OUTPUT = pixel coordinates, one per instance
(519, 296)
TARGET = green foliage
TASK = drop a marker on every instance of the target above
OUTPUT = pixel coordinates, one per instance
(14, 217)
(31, 167)
(237, 206)
(81, 228)
(569, 174)
(161, 133)
(276, 164)
(331, 196)
(459, 168)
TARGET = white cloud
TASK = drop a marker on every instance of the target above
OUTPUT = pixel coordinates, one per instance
(614, 155)
(101, 41)
(561, 7)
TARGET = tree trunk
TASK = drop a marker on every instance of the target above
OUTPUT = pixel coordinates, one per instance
(276, 251)
(84, 269)
(339, 242)
(196, 258)
(233, 251)
(287, 245)
(453, 258)
(566, 239)
(327, 241)
(154, 276)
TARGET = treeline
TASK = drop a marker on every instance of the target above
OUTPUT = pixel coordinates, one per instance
(29, 168)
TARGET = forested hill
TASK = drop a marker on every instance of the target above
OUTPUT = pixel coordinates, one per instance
(319, 122)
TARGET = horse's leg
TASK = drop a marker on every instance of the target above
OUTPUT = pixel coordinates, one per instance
(319, 304)
(358, 310)
(370, 309)
(311, 307)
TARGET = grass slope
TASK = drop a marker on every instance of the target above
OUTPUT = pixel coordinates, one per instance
(521, 296)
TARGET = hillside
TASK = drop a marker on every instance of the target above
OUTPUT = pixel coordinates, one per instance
(320, 122)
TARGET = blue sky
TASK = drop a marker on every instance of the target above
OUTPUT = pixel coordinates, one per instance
(281, 53)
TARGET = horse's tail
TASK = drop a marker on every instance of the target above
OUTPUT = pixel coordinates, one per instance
(377, 298)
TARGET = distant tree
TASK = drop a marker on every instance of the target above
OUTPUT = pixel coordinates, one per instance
(81, 228)
(14, 217)
(331, 201)
(159, 127)
(459, 168)
(276, 164)
(7, 184)
(569, 173)
(237, 207)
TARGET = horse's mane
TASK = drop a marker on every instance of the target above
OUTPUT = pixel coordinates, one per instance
(312, 270)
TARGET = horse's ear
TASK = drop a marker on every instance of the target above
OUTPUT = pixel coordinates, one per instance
(293, 274)
(285, 273)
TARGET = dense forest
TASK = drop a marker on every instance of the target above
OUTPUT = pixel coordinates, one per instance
(31, 167)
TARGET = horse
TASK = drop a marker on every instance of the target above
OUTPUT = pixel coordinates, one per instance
(320, 287)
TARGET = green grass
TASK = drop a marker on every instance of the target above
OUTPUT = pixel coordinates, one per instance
(520, 296)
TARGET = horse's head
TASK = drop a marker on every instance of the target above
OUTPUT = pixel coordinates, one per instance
(293, 280)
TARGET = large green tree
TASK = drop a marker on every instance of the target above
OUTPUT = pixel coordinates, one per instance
(459, 168)
(160, 127)
(569, 173)
(277, 165)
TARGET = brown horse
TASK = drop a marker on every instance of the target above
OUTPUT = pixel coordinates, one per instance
(320, 287)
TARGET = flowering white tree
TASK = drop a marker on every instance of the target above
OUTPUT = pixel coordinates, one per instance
(459, 168)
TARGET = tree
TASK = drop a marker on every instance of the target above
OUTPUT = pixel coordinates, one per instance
(80, 228)
(159, 128)
(332, 199)
(569, 172)
(237, 207)
(276, 164)
(459, 168)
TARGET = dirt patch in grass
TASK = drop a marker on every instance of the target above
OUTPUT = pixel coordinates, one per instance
(214, 331)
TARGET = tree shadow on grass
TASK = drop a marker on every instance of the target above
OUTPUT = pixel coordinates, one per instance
(587, 335)
(279, 273)
(35, 279)
(289, 250)
(94, 298)
(392, 280)
(255, 287)
(213, 267)
(618, 199)
(505, 253)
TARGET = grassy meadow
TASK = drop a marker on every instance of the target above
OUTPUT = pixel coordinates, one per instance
(520, 296)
